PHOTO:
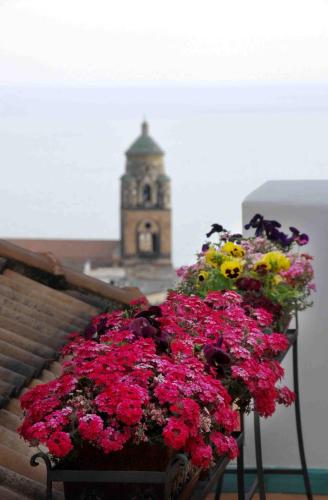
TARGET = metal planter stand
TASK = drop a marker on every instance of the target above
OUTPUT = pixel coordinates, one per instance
(292, 335)
(197, 490)
(166, 477)
(259, 484)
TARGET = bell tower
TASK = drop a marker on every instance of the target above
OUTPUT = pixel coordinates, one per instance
(145, 205)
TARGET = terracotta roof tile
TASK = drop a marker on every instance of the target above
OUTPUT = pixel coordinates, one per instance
(37, 313)
(12, 377)
(26, 344)
(17, 366)
(9, 420)
(15, 484)
(6, 389)
(30, 333)
(6, 494)
(75, 253)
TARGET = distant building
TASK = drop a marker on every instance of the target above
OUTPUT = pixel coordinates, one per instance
(143, 255)
(146, 216)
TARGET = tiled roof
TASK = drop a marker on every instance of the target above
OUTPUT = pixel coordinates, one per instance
(75, 253)
(41, 303)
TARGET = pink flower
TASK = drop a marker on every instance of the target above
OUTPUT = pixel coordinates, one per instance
(228, 418)
(37, 393)
(224, 444)
(202, 456)
(175, 433)
(263, 316)
(111, 439)
(276, 342)
(188, 410)
(105, 402)
(140, 302)
(220, 442)
(59, 418)
(90, 426)
(64, 385)
(183, 271)
(233, 450)
(129, 412)
(59, 444)
(38, 432)
(167, 392)
(181, 347)
(265, 401)
(285, 396)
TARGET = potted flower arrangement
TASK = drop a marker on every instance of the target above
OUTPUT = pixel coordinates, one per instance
(128, 400)
(267, 270)
(141, 385)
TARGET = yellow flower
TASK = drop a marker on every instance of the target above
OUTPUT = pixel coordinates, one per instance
(231, 248)
(277, 260)
(212, 257)
(262, 266)
(231, 268)
(202, 276)
(277, 279)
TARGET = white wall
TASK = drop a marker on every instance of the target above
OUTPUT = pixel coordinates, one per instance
(303, 204)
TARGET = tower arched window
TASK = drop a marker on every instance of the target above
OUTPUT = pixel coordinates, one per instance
(148, 239)
(146, 193)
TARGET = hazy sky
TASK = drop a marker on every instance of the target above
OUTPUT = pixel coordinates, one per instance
(236, 93)
(129, 41)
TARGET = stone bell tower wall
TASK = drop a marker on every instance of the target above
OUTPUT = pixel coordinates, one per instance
(140, 165)
(130, 221)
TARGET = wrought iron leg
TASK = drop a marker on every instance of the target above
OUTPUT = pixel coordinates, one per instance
(240, 475)
(49, 488)
(34, 461)
(258, 454)
(299, 424)
(240, 463)
(218, 490)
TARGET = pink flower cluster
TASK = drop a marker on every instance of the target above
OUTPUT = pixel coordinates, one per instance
(173, 373)
(220, 318)
(300, 272)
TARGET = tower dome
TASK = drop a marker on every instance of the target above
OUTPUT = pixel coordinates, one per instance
(144, 144)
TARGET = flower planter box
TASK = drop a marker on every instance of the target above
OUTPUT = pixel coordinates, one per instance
(136, 473)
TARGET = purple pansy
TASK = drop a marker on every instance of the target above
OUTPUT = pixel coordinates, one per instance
(215, 356)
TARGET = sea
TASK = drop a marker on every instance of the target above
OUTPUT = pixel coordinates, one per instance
(62, 152)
